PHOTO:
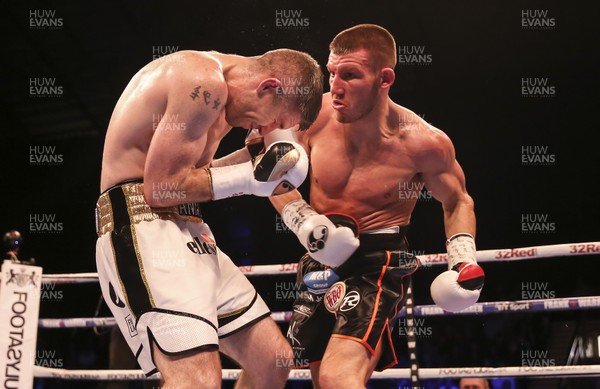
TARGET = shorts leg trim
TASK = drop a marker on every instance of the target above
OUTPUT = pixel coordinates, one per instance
(256, 310)
(151, 372)
(227, 318)
(139, 351)
(152, 340)
(359, 340)
(174, 333)
(137, 355)
(376, 305)
(391, 346)
(250, 323)
(186, 314)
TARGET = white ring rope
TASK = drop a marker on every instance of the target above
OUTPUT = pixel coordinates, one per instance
(558, 304)
(304, 374)
(499, 255)
(496, 255)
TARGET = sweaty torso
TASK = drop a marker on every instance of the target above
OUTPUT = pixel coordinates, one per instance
(375, 180)
(140, 110)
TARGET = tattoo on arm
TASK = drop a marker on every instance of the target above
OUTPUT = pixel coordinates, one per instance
(207, 97)
(195, 93)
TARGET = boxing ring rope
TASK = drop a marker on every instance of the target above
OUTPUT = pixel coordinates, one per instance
(557, 304)
(304, 374)
(497, 255)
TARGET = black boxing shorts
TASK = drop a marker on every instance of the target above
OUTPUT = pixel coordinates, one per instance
(357, 301)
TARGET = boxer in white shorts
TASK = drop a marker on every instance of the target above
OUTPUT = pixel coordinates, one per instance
(177, 298)
(169, 274)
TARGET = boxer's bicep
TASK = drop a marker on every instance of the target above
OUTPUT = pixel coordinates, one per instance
(442, 175)
(446, 185)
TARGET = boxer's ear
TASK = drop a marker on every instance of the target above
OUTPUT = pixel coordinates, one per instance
(387, 77)
(268, 85)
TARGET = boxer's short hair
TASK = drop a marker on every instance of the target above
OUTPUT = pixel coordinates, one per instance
(371, 37)
(302, 80)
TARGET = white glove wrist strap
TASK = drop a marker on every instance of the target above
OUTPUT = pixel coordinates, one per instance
(231, 181)
(295, 213)
(460, 248)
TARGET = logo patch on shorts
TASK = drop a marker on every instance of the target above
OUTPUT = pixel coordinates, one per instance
(333, 297)
(131, 326)
(319, 281)
(350, 301)
(291, 334)
(203, 246)
(191, 209)
(303, 310)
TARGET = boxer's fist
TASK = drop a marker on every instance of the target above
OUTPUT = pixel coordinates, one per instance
(458, 288)
(254, 145)
(280, 169)
(330, 239)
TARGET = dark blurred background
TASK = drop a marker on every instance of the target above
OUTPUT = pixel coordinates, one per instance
(514, 85)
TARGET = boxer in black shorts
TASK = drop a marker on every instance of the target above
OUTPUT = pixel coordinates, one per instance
(370, 159)
(359, 300)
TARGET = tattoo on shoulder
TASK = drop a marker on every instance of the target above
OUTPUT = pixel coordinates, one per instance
(207, 97)
(195, 93)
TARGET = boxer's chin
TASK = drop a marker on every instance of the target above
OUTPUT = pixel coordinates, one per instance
(342, 118)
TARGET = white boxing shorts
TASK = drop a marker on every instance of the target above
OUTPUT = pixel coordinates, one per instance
(164, 278)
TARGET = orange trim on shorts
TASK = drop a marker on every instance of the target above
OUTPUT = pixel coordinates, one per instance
(379, 290)
(388, 332)
(389, 336)
(359, 340)
(367, 346)
(379, 340)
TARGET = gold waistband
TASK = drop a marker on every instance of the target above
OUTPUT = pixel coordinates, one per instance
(139, 211)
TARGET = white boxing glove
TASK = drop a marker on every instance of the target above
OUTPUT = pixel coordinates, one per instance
(330, 239)
(280, 169)
(459, 287)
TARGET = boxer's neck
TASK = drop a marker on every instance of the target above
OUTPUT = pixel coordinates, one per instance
(375, 125)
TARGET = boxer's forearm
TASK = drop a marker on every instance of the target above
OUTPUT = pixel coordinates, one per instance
(280, 201)
(459, 216)
(195, 187)
(239, 156)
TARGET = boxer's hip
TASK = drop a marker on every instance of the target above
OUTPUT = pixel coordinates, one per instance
(385, 247)
(124, 204)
